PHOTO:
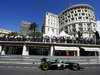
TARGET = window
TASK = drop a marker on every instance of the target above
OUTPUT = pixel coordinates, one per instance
(75, 14)
(85, 10)
(76, 19)
(83, 13)
(69, 16)
(86, 17)
(79, 14)
(89, 14)
(66, 20)
(93, 25)
(79, 10)
(52, 30)
(72, 18)
(69, 20)
(61, 17)
(71, 11)
(86, 14)
(72, 15)
(79, 17)
(66, 14)
(63, 13)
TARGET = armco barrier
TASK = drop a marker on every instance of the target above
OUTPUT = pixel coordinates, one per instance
(36, 59)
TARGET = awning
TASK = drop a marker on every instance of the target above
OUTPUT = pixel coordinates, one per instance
(66, 48)
(50, 34)
(90, 49)
(63, 34)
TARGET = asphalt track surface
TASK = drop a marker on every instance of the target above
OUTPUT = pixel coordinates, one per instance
(15, 69)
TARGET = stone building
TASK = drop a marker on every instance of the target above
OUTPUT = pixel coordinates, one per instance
(78, 18)
(51, 23)
(25, 27)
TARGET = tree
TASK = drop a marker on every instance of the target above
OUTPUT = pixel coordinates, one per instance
(13, 34)
(36, 34)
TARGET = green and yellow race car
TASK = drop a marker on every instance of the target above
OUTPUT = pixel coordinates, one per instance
(57, 64)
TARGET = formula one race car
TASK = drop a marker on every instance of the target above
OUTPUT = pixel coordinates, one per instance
(59, 65)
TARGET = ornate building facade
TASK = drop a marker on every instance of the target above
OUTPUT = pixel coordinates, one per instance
(78, 18)
(51, 23)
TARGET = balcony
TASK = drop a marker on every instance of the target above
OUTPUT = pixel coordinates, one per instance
(55, 40)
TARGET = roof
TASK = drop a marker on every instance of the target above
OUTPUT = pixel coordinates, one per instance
(78, 5)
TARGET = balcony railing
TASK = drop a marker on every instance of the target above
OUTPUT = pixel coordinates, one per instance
(54, 40)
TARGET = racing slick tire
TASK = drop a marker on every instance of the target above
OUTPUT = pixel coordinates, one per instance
(44, 67)
(75, 67)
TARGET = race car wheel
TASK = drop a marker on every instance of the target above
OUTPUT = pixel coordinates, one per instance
(75, 67)
(44, 67)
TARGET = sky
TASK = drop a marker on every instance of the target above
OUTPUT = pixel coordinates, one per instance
(13, 12)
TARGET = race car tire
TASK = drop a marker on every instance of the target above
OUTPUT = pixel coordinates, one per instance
(75, 67)
(44, 67)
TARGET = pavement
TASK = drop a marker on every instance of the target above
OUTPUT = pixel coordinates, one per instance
(28, 69)
(37, 63)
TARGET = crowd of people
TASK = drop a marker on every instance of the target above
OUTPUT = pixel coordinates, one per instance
(48, 39)
(72, 40)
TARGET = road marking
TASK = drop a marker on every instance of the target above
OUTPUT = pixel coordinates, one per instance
(91, 67)
(18, 67)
